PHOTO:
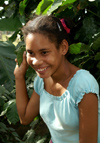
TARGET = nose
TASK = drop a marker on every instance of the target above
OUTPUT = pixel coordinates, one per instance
(36, 61)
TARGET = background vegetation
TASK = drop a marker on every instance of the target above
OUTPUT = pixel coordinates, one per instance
(83, 52)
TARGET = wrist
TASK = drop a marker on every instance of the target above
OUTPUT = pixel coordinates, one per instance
(19, 77)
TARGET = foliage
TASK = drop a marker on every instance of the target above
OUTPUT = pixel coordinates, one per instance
(84, 50)
(7, 64)
(8, 134)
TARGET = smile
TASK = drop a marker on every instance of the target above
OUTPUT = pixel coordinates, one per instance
(40, 70)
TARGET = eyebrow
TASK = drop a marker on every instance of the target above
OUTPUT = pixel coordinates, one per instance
(29, 51)
(39, 50)
(44, 49)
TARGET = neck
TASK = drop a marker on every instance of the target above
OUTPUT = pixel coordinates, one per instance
(64, 73)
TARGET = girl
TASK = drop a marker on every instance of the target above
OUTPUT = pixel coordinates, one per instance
(66, 97)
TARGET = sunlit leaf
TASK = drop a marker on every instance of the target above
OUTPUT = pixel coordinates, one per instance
(68, 2)
(75, 48)
(54, 6)
(22, 6)
(43, 5)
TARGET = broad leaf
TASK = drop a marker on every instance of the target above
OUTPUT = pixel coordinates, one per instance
(68, 2)
(22, 7)
(75, 48)
(3, 127)
(98, 65)
(7, 64)
(2, 101)
(54, 6)
(97, 56)
(10, 24)
(89, 27)
(2, 90)
(29, 136)
(19, 52)
(44, 4)
(96, 44)
(11, 113)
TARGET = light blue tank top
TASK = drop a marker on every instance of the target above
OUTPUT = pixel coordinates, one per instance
(61, 113)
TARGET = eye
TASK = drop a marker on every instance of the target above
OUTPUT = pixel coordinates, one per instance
(44, 52)
(29, 52)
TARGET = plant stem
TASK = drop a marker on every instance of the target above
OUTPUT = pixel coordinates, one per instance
(93, 13)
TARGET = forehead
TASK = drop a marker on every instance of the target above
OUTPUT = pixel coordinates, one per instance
(37, 40)
(37, 37)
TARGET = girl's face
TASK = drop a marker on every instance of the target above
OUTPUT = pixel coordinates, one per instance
(42, 55)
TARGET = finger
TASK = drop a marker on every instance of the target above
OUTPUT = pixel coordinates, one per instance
(16, 61)
(24, 54)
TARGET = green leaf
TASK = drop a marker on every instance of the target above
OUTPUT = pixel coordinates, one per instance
(2, 90)
(19, 51)
(29, 136)
(85, 48)
(96, 44)
(22, 6)
(97, 56)
(89, 27)
(10, 24)
(54, 6)
(14, 36)
(3, 127)
(75, 48)
(11, 113)
(2, 101)
(67, 2)
(43, 5)
(98, 65)
(7, 64)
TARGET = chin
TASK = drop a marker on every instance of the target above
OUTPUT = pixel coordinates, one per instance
(43, 76)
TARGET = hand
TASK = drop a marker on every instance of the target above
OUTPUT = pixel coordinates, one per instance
(21, 70)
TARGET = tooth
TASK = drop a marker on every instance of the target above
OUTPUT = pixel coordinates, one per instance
(41, 69)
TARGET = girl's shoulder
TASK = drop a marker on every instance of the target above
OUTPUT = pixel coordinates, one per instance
(83, 82)
(82, 76)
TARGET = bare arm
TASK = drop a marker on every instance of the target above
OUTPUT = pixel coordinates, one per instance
(27, 109)
(88, 119)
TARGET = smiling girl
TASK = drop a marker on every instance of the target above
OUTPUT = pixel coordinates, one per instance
(66, 97)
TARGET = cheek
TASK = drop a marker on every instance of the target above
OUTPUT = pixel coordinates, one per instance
(52, 59)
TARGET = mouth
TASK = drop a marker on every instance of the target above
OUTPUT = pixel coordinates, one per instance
(41, 70)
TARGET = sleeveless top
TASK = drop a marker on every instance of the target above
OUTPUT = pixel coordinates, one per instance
(61, 113)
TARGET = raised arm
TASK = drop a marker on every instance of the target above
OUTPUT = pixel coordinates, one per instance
(88, 119)
(27, 108)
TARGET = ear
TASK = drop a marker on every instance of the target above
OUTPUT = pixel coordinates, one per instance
(64, 47)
